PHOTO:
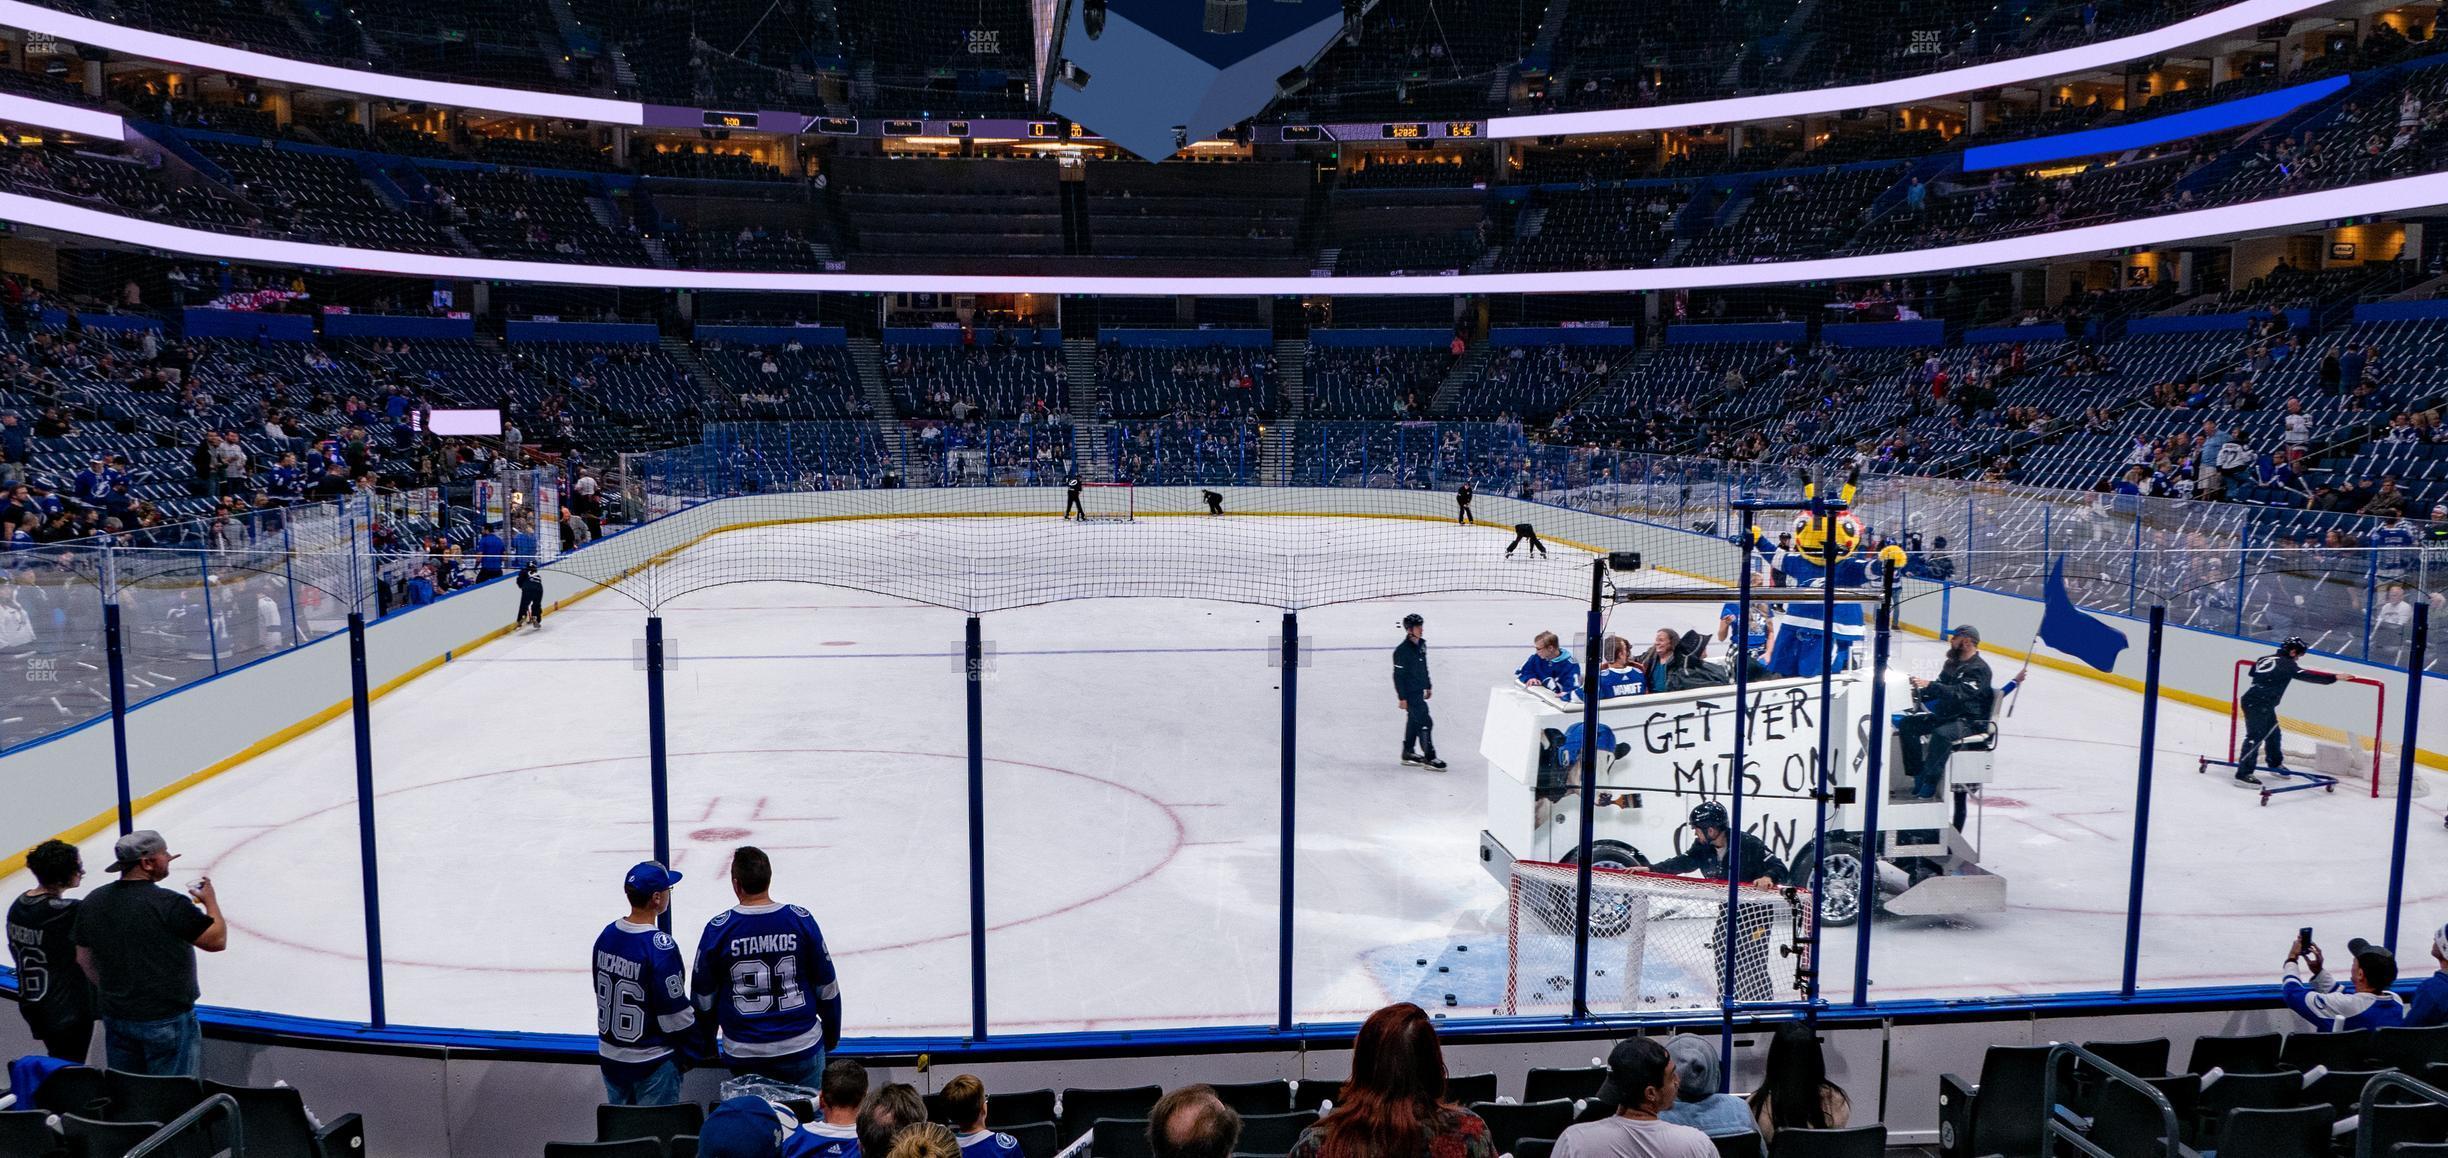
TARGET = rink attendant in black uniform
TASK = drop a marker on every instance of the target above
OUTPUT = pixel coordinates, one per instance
(2271, 675)
(1411, 690)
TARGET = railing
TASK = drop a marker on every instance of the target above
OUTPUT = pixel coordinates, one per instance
(188, 1125)
(2371, 1097)
(2060, 1123)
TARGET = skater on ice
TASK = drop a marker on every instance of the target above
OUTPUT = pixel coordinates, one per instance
(2271, 676)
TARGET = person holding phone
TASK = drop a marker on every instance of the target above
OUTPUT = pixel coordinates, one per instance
(137, 942)
(2361, 1002)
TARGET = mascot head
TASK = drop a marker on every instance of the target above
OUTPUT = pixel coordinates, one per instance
(1811, 537)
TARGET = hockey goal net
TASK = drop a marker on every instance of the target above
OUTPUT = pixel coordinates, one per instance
(2341, 729)
(1656, 942)
(1108, 502)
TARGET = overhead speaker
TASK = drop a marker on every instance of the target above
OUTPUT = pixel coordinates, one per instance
(1226, 17)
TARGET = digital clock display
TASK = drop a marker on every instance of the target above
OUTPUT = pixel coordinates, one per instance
(1461, 128)
(1405, 131)
(1295, 134)
(838, 126)
(721, 120)
(904, 128)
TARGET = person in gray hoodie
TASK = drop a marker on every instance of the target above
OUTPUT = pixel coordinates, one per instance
(1698, 1102)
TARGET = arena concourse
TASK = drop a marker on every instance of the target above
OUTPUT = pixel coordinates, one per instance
(1095, 571)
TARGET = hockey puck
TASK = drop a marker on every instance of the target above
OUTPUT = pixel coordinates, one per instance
(1461, 948)
(1421, 961)
(1449, 999)
(1444, 968)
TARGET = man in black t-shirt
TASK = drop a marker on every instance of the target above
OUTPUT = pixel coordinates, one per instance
(52, 991)
(137, 942)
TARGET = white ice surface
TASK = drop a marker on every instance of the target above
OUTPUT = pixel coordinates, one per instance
(1133, 805)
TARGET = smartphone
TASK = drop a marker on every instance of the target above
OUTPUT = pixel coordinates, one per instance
(2303, 938)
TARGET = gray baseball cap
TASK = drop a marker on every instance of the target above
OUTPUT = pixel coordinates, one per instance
(134, 847)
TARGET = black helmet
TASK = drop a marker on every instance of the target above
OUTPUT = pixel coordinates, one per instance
(1413, 620)
(2295, 643)
(1709, 814)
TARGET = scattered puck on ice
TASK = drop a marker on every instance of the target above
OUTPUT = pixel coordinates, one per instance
(1602, 973)
(1444, 968)
(1461, 948)
(1421, 961)
(1449, 999)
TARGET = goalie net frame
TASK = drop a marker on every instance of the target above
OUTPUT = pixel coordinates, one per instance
(2333, 721)
(1774, 923)
(1090, 511)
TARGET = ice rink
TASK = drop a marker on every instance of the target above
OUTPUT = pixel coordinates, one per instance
(1133, 813)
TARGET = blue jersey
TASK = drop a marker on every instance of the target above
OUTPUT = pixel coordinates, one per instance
(489, 548)
(1757, 637)
(1628, 681)
(2430, 1002)
(988, 1144)
(764, 977)
(1806, 613)
(1559, 675)
(642, 1012)
(2332, 1006)
(821, 1139)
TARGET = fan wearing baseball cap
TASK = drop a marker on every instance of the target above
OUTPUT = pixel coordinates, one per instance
(138, 941)
(643, 1020)
(2430, 1006)
(2364, 1002)
(1641, 1081)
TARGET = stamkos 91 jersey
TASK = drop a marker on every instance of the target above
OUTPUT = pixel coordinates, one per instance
(764, 977)
(642, 1012)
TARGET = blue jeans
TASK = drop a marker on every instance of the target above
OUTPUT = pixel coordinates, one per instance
(659, 1086)
(170, 1047)
(803, 1070)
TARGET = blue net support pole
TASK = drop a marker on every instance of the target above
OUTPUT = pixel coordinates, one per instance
(1971, 540)
(658, 756)
(1819, 773)
(2133, 566)
(2142, 798)
(1874, 790)
(1589, 788)
(361, 717)
(2371, 599)
(1742, 730)
(212, 632)
(973, 675)
(1284, 849)
(2416, 647)
(115, 651)
(289, 573)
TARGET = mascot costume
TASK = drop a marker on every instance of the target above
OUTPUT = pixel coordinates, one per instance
(1819, 559)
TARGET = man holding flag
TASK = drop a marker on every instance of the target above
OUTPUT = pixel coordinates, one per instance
(1953, 706)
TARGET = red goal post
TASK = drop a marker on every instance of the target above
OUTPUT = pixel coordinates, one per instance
(2345, 724)
(1108, 502)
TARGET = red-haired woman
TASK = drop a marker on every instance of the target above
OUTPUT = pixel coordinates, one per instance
(1393, 1105)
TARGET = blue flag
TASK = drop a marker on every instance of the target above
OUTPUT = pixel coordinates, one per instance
(2076, 632)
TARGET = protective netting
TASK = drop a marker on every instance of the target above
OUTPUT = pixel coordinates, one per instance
(986, 549)
(2344, 582)
(1656, 942)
